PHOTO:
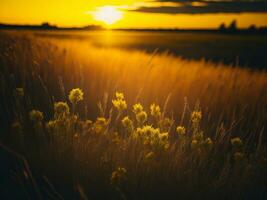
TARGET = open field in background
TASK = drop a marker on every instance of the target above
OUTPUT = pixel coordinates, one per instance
(241, 50)
(232, 100)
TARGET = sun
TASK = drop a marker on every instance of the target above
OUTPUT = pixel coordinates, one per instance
(107, 14)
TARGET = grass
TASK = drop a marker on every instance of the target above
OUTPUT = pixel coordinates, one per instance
(178, 129)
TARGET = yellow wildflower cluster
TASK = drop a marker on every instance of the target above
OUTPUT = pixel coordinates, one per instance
(202, 145)
(100, 125)
(195, 119)
(63, 121)
(152, 137)
(119, 95)
(155, 110)
(127, 124)
(75, 96)
(140, 114)
(196, 116)
(61, 109)
(119, 103)
(137, 108)
(180, 130)
(237, 146)
(141, 117)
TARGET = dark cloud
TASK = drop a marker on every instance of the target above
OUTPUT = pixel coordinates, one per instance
(187, 7)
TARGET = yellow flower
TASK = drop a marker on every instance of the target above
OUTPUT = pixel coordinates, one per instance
(137, 108)
(155, 110)
(152, 137)
(61, 109)
(127, 123)
(164, 136)
(118, 176)
(236, 142)
(196, 116)
(119, 95)
(101, 120)
(100, 125)
(180, 130)
(141, 117)
(194, 144)
(119, 104)
(145, 131)
(36, 116)
(76, 95)
(50, 126)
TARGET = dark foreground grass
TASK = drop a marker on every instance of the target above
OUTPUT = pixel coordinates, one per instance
(148, 143)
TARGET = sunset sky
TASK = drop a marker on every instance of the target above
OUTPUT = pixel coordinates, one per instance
(135, 13)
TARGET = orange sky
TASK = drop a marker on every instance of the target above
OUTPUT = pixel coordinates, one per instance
(79, 13)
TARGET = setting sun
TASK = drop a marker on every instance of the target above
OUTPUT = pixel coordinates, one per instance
(107, 14)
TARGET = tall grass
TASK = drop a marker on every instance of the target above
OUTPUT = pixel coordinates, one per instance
(198, 130)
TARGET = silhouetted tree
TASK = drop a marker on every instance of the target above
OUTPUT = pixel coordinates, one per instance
(46, 25)
(252, 27)
(233, 26)
(222, 27)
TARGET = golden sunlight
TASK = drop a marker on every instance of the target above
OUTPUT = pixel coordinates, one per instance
(107, 14)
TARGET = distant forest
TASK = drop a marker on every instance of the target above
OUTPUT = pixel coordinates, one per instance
(232, 28)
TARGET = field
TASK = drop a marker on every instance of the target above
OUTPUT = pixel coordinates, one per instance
(238, 49)
(106, 123)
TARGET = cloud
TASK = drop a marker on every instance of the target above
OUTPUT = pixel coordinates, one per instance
(203, 7)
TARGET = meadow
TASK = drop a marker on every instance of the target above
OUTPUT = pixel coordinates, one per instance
(242, 50)
(105, 123)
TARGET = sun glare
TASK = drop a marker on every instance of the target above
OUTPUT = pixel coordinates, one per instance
(107, 14)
